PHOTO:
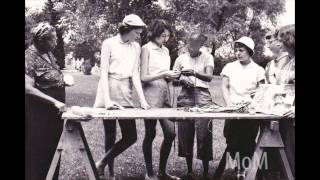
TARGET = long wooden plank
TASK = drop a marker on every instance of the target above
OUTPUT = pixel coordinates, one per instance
(163, 113)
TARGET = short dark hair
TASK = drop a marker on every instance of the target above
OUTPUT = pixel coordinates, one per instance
(125, 29)
(240, 45)
(197, 37)
(157, 27)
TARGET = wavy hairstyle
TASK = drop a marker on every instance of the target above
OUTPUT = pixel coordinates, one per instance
(156, 28)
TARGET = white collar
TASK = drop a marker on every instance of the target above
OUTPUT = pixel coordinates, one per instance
(250, 65)
(284, 54)
(121, 41)
(154, 46)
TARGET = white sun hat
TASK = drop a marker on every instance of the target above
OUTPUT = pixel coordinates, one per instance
(133, 20)
(247, 42)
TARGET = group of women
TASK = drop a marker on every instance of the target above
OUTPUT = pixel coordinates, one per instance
(124, 66)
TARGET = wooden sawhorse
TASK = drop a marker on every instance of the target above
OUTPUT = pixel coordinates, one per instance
(73, 132)
(270, 139)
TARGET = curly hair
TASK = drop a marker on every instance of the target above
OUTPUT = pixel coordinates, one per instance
(286, 35)
(157, 27)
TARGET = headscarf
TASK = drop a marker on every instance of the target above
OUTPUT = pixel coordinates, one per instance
(42, 30)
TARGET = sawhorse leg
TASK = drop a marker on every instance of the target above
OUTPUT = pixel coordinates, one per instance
(73, 138)
(271, 138)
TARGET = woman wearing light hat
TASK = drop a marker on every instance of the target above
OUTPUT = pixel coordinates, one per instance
(239, 81)
(120, 56)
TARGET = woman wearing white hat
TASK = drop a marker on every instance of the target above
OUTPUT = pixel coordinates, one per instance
(239, 80)
(120, 56)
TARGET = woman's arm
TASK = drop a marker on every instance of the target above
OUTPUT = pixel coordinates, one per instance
(136, 81)
(104, 75)
(206, 76)
(30, 89)
(225, 90)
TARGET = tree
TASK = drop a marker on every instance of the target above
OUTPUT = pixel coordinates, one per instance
(94, 21)
(53, 16)
(229, 20)
(223, 21)
(85, 24)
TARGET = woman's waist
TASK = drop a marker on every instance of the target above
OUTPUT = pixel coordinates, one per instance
(155, 84)
(195, 88)
(120, 77)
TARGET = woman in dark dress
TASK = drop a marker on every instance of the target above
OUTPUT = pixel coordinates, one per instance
(44, 100)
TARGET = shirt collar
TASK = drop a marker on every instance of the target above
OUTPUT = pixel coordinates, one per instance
(251, 64)
(154, 46)
(284, 54)
(120, 40)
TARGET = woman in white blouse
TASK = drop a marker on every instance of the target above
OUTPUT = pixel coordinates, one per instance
(120, 56)
(155, 72)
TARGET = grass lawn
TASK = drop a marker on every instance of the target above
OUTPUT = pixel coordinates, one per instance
(130, 164)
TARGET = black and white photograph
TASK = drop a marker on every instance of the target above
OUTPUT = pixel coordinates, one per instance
(159, 90)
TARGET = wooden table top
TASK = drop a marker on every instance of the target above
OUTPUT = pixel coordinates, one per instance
(160, 113)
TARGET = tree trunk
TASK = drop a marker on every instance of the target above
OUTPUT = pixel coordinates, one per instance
(59, 52)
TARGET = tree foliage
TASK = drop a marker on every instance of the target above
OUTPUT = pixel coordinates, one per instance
(227, 20)
(223, 21)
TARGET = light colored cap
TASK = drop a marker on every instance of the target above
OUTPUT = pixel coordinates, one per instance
(133, 20)
(247, 42)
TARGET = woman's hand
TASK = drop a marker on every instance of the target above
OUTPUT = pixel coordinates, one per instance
(60, 106)
(68, 80)
(113, 105)
(172, 74)
(290, 114)
(145, 105)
